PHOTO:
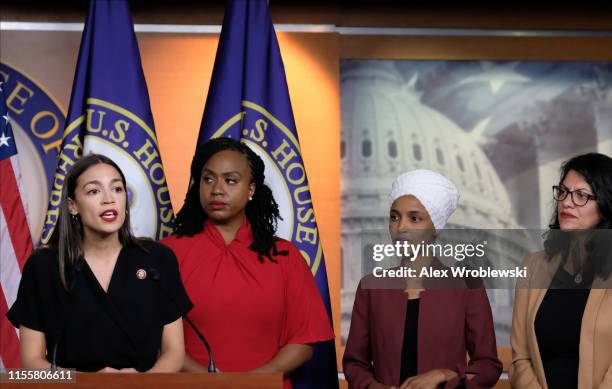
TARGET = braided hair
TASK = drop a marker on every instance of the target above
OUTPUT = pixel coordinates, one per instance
(261, 212)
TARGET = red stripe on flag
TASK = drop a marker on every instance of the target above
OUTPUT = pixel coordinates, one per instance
(9, 346)
(14, 213)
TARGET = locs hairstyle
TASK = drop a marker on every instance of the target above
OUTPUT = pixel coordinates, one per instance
(67, 236)
(261, 212)
(597, 171)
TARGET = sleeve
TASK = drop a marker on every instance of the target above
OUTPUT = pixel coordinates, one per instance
(28, 307)
(521, 372)
(357, 359)
(176, 303)
(306, 318)
(481, 345)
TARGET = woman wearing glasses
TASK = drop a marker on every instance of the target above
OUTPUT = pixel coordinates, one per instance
(562, 320)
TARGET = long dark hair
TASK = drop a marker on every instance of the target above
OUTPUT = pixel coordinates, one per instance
(597, 171)
(67, 236)
(261, 212)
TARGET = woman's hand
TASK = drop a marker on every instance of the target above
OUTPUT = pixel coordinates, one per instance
(288, 358)
(378, 385)
(429, 380)
(108, 370)
(113, 370)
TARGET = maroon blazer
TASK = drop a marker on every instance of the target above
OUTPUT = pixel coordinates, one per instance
(452, 323)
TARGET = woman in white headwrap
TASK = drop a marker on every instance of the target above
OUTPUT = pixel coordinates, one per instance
(414, 336)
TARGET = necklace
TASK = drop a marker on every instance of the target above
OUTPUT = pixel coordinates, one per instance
(578, 278)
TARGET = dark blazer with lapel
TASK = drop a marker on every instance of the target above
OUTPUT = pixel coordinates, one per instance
(451, 323)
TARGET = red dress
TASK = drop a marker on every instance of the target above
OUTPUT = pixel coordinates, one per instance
(246, 309)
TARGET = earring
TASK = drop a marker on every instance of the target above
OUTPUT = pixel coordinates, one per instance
(75, 217)
(250, 198)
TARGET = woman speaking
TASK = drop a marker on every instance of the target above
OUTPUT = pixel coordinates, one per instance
(97, 298)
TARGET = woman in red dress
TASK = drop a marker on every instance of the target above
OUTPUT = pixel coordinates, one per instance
(254, 297)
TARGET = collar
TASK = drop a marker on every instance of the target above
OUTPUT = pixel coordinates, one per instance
(244, 235)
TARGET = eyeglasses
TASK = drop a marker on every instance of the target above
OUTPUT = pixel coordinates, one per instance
(579, 198)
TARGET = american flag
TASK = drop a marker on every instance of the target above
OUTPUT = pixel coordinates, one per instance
(15, 238)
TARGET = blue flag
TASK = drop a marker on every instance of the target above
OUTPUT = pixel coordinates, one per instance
(248, 99)
(110, 114)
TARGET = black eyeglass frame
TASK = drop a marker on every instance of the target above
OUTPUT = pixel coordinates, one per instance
(563, 189)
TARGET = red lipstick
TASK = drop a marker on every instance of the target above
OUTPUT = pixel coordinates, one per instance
(217, 205)
(566, 215)
(109, 215)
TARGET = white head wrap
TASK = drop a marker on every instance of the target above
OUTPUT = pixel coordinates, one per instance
(437, 193)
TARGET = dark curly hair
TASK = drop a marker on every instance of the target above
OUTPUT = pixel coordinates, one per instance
(597, 171)
(261, 212)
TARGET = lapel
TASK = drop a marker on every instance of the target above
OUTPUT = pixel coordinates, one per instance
(587, 331)
(547, 271)
(538, 296)
(542, 273)
(396, 318)
(105, 300)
